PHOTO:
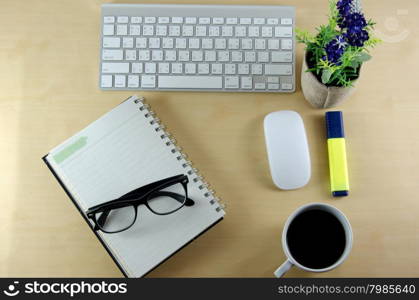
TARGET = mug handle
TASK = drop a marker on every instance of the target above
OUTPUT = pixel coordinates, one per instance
(283, 269)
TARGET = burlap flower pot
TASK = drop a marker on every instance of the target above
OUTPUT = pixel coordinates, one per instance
(319, 95)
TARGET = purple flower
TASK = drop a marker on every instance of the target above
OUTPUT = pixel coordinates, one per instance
(335, 50)
(357, 39)
(344, 7)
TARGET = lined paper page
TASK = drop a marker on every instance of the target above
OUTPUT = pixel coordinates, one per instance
(118, 153)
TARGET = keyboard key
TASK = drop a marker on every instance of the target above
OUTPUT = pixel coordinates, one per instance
(193, 43)
(137, 68)
(108, 29)
(259, 21)
(177, 20)
(122, 19)
(231, 82)
(263, 56)
(218, 20)
(197, 55)
(203, 68)
(273, 79)
(190, 82)
(223, 56)
(214, 31)
(250, 56)
(164, 20)
(161, 30)
(184, 55)
(204, 20)
(150, 20)
(120, 81)
(245, 21)
(148, 81)
(190, 68)
(272, 21)
(279, 56)
(260, 86)
(207, 43)
(181, 43)
(130, 54)
(286, 44)
(111, 42)
(190, 20)
(243, 69)
(141, 43)
(210, 56)
(106, 81)
(109, 19)
(128, 42)
(278, 69)
(167, 43)
(230, 69)
(236, 56)
(174, 30)
(115, 67)
(260, 44)
(177, 68)
(112, 54)
(281, 31)
(154, 43)
(201, 31)
(216, 68)
(227, 30)
(148, 30)
(136, 20)
(273, 44)
(150, 68)
(247, 44)
(286, 21)
(256, 69)
(164, 68)
(220, 43)
(187, 30)
(231, 20)
(233, 43)
(286, 86)
(273, 86)
(157, 55)
(121, 29)
(246, 82)
(240, 31)
(144, 55)
(266, 31)
(133, 81)
(170, 55)
(253, 31)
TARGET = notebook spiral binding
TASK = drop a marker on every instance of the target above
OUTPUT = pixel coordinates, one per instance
(175, 149)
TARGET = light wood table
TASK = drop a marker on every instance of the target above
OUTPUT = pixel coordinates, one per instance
(48, 91)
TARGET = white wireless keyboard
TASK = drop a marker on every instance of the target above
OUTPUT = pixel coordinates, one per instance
(197, 48)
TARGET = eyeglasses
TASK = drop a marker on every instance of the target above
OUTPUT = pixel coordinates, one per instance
(162, 197)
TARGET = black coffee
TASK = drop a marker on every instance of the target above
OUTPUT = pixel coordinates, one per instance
(316, 239)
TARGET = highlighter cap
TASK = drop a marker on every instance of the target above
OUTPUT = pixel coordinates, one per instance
(334, 124)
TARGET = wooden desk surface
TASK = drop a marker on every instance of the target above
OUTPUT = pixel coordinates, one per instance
(48, 91)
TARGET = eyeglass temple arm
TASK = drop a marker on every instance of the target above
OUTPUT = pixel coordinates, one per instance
(189, 202)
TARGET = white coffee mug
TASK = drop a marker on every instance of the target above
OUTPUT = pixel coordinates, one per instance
(315, 206)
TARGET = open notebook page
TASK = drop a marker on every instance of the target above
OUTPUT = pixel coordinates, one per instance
(117, 153)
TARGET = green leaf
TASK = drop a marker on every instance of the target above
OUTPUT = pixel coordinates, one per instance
(327, 73)
(362, 57)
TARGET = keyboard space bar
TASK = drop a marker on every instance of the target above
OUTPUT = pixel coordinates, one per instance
(190, 82)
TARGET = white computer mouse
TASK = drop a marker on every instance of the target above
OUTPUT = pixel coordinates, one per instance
(288, 154)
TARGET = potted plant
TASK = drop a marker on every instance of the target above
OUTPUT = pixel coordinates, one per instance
(334, 56)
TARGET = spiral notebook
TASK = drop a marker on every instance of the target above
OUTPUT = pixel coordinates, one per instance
(127, 148)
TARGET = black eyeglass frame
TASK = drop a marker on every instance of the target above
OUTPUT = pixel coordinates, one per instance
(141, 196)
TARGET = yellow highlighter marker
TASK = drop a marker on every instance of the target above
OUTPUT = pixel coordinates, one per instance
(339, 182)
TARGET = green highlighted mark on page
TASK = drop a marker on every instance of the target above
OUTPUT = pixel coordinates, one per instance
(70, 149)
